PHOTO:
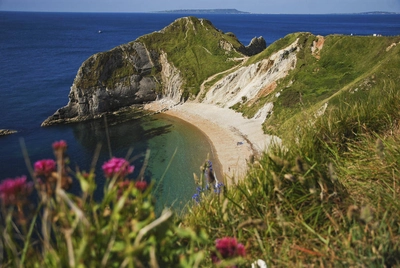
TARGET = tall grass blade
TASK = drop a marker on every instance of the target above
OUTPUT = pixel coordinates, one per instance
(29, 235)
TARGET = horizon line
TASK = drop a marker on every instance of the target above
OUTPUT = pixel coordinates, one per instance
(186, 11)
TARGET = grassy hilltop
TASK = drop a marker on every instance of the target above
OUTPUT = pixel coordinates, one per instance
(329, 197)
(195, 47)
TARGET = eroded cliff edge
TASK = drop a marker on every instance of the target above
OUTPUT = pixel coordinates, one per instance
(171, 63)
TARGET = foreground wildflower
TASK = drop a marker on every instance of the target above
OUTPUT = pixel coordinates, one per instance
(141, 185)
(117, 167)
(15, 190)
(60, 145)
(196, 197)
(259, 263)
(209, 173)
(45, 167)
(199, 189)
(218, 188)
(46, 170)
(123, 186)
(212, 182)
(227, 248)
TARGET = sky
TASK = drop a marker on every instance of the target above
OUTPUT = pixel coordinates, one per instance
(252, 6)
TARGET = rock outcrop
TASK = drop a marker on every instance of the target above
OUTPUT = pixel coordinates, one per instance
(257, 44)
(4, 132)
(109, 81)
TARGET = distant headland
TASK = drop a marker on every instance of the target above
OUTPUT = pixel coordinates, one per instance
(378, 13)
(204, 11)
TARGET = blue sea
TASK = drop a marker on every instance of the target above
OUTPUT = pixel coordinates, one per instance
(40, 54)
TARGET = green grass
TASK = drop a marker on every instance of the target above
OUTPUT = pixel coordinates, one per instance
(345, 64)
(194, 48)
(329, 199)
(107, 69)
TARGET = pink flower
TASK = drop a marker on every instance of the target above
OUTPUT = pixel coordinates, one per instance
(123, 186)
(117, 166)
(228, 247)
(12, 189)
(45, 167)
(60, 145)
(141, 185)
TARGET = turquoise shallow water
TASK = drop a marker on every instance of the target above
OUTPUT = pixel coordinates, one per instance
(177, 149)
(178, 154)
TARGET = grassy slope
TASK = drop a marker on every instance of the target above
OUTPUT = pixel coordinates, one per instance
(194, 48)
(346, 62)
(332, 198)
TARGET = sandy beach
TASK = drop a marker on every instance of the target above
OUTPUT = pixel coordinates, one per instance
(234, 138)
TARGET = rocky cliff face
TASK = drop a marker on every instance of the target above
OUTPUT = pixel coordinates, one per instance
(257, 44)
(171, 79)
(108, 81)
(254, 80)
